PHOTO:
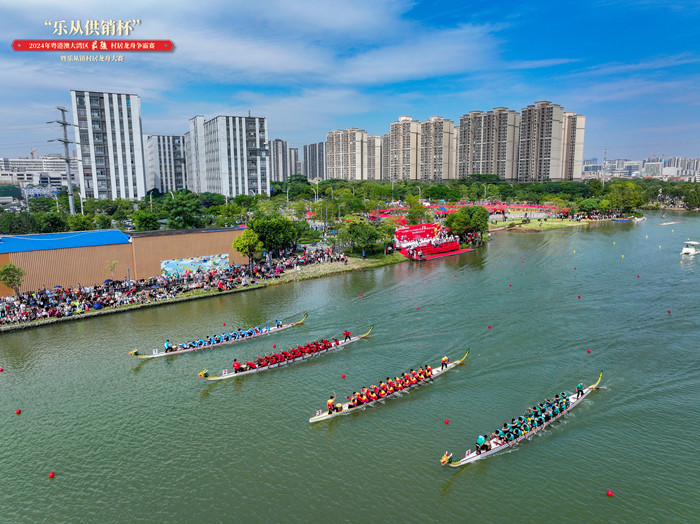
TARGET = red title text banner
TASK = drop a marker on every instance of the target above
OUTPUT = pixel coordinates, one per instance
(106, 46)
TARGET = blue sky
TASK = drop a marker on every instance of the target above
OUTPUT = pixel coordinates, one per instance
(631, 66)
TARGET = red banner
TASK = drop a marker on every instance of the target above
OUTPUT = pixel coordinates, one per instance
(417, 232)
(97, 46)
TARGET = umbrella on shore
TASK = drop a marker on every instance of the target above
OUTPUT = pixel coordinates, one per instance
(107, 281)
(58, 287)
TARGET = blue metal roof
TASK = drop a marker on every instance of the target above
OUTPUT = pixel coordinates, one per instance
(19, 243)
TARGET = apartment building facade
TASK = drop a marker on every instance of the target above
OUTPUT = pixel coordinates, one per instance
(437, 150)
(166, 168)
(109, 144)
(228, 155)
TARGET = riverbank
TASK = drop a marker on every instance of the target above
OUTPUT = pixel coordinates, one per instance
(311, 271)
(537, 226)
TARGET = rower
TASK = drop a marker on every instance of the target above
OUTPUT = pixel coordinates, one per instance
(347, 336)
(443, 362)
(579, 390)
(330, 403)
(167, 346)
(236, 366)
(428, 371)
(480, 441)
(278, 323)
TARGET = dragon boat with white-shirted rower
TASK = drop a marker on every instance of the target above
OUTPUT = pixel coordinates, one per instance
(498, 445)
(223, 341)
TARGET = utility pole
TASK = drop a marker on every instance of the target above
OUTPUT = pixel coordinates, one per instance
(65, 124)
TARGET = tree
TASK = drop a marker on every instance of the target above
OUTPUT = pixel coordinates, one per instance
(80, 223)
(274, 233)
(360, 233)
(386, 229)
(691, 198)
(595, 186)
(228, 215)
(103, 221)
(247, 243)
(51, 222)
(145, 221)
(588, 205)
(183, 211)
(21, 223)
(42, 203)
(12, 276)
(625, 196)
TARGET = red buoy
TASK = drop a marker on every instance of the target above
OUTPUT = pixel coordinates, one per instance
(447, 421)
(510, 285)
(274, 346)
(489, 326)
(360, 294)
(669, 311)
(342, 376)
(19, 411)
(589, 350)
(51, 475)
(610, 493)
(224, 323)
(417, 308)
(579, 296)
(523, 261)
(455, 276)
(1, 370)
(637, 276)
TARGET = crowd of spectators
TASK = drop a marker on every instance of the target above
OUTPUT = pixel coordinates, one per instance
(61, 302)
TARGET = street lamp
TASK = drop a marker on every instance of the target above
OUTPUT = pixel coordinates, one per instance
(315, 194)
(172, 194)
(288, 194)
(420, 196)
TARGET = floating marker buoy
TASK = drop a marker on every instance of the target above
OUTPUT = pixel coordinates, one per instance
(574, 251)
(579, 296)
(19, 411)
(224, 323)
(51, 475)
(489, 326)
(1, 370)
(574, 268)
(274, 346)
(455, 276)
(589, 350)
(637, 276)
(613, 243)
(647, 236)
(523, 261)
(609, 493)
(447, 421)
(360, 294)
(669, 311)
(623, 256)
(417, 308)
(342, 376)
(510, 285)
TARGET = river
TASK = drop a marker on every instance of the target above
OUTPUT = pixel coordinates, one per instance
(150, 441)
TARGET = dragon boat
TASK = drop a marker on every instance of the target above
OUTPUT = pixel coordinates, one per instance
(156, 353)
(322, 415)
(498, 446)
(259, 369)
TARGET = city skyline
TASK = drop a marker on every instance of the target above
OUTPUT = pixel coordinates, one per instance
(629, 66)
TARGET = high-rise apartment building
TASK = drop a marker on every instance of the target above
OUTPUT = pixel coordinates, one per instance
(346, 154)
(551, 143)
(228, 155)
(437, 154)
(283, 160)
(315, 161)
(374, 157)
(109, 143)
(165, 163)
(386, 141)
(488, 143)
(574, 129)
(404, 149)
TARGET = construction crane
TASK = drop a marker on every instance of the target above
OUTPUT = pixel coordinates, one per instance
(32, 152)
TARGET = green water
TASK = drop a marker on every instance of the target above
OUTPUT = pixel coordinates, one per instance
(149, 441)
